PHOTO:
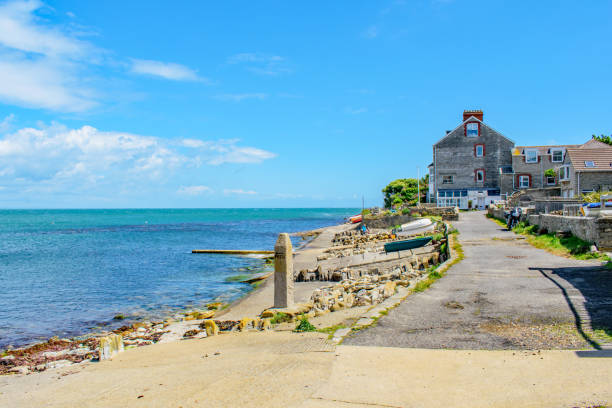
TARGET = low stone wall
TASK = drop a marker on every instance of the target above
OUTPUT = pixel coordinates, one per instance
(550, 205)
(496, 213)
(590, 229)
(388, 221)
(447, 214)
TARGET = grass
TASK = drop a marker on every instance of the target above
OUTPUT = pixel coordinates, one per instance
(304, 326)
(571, 246)
(280, 318)
(331, 330)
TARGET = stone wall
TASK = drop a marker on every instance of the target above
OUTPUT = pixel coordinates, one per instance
(447, 214)
(590, 229)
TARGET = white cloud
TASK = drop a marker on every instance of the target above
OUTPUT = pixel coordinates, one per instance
(40, 65)
(20, 29)
(167, 70)
(262, 64)
(355, 111)
(371, 32)
(58, 156)
(5, 124)
(239, 192)
(194, 190)
(241, 97)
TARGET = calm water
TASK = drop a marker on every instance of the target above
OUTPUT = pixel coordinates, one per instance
(63, 272)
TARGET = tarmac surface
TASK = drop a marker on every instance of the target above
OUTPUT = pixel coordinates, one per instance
(505, 294)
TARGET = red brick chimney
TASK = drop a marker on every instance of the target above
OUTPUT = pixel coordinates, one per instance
(478, 114)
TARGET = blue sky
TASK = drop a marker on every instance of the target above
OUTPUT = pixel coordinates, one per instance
(275, 103)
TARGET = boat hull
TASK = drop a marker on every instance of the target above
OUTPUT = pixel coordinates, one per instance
(407, 244)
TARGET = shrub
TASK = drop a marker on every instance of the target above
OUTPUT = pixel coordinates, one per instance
(304, 326)
(280, 318)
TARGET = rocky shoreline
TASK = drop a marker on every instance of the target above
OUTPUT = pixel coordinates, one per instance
(331, 256)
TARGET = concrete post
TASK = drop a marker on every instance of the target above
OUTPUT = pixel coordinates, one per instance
(283, 272)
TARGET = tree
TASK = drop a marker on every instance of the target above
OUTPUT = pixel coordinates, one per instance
(404, 191)
(603, 138)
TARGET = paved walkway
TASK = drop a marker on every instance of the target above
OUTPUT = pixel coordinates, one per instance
(505, 294)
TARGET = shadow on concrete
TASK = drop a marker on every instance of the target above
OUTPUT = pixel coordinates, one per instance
(594, 284)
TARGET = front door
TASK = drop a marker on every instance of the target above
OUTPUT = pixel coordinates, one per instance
(481, 203)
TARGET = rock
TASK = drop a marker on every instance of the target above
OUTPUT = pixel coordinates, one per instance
(20, 370)
(211, 327)
(389, 289)
(109, 346)
(191, 333)
(264, 324)
(9, 357)
(214, 306)
(245, 324)
(58, 364)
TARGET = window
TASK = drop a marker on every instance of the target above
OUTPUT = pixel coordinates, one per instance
(479, 150)
(589, 163)
(471, 129)
(448, 179)
(564, 173)
(557, 156)
(523, 181)
(531, 156)
(550, 180)
(479, 176)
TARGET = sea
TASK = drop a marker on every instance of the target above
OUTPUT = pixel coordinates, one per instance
(67, 273)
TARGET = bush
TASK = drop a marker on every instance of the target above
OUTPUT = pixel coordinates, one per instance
(304, 326)
(280, 318)
(406, 211)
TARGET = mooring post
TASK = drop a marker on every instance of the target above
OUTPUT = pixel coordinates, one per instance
(283, 272)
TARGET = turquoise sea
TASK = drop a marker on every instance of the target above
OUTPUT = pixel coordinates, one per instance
(66, 272)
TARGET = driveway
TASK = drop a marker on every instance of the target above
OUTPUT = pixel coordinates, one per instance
(505, 294)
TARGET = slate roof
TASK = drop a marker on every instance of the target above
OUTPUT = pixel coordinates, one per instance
(601, 157)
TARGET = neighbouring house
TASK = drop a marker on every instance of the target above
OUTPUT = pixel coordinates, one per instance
(586, 169)
(467, 164)
(537, 166)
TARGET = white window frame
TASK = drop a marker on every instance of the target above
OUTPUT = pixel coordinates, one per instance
(527, 158)
(482, 177)
(481, 147)
(564, 173)
(548, 178)
(452, 179)
(552, 155)
(469, 127)
(521, 178)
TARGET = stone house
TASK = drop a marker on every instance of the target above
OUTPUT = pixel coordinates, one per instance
(467, 164)
(530, 165)
(586, 169)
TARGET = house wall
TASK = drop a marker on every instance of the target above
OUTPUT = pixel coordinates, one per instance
(535, 170)
(454, 155)
(598, 181)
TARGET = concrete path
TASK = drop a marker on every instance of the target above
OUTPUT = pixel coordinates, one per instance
(505, 294)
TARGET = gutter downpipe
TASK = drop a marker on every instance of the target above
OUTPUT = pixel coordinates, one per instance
(435, 175)
(578, 188)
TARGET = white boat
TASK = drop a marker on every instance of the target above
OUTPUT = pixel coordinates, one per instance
(415, 227)
(418, 224)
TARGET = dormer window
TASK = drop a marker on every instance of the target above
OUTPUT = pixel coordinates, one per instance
(589, 163)
(531, 156)
(471, 129)
(557, 156)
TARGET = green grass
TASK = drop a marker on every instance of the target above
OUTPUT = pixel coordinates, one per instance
(304, 326)
(280, 318)
(571, 246)
(331, 330)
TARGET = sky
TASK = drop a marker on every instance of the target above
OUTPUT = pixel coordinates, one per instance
(279, 104)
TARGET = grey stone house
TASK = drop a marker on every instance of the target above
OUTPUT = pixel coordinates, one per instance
(467, 164)
(586, 169)
(530, 164)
